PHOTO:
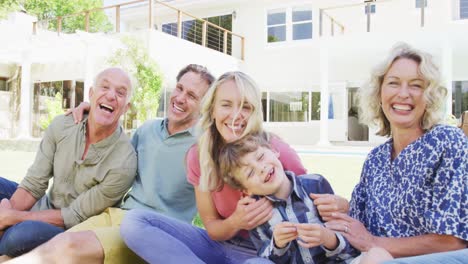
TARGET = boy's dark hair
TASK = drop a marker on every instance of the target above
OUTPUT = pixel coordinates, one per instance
(195, 68)
(231, 154)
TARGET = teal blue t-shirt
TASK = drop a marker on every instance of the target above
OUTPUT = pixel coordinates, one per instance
(161, 183)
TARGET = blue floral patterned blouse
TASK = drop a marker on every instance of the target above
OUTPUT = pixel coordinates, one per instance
(423, 190)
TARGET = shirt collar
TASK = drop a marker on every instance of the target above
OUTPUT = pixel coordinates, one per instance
(295, 190)
(95, 151)
(165, 123)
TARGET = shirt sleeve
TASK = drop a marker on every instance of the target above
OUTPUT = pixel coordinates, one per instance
(288, 156)
(105, 194)
(343, 251)
(134, 140)
(266, 248)
(37, 178)
(357, 205)
(193, 166)
(448, 212)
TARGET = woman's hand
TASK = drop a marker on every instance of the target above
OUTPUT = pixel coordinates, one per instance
(327, 204)
(79, 111)
(251, 213)
(353, 230)
(313, 235)
(283, 233)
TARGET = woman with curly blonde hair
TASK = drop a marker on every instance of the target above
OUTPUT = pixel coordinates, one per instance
(412, 195)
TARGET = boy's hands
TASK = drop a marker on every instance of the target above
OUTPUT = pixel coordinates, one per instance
(307, 235)
(283, 233)
(312, 235)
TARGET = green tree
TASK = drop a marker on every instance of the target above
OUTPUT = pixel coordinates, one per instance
(49, 9)
(54, 108)
(135, 60)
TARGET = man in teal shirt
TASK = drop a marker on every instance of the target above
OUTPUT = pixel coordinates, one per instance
(160, 184)
(92, 165)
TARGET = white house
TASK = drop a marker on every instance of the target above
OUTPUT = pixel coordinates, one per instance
(308, 57)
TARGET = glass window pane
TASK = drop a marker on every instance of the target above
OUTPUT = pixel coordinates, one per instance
(315, 112)
(463, 9)
(372, 9)
(335, 108)
(420, 2)
(301, 15)
(302, 31)
(289, 107)
(459, 98)
(276, 17)
(170, 28)
(276, 34)
(163, 98)
(264, 106)
(3, 85)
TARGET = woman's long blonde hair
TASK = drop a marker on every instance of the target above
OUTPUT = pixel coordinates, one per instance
(210, 140)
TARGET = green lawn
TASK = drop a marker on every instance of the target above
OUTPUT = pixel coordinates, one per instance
(341, 171)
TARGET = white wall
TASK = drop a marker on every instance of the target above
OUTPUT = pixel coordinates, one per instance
(6, 70)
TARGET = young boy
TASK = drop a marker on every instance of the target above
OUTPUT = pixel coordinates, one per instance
(295, 233)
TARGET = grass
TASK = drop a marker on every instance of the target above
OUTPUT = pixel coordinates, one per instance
(341, 171)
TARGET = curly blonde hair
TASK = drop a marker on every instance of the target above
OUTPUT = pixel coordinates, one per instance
(369, 99)
(210, 141)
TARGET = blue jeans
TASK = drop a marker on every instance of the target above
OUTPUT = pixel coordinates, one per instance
(452, 257)
(7, 188)
(25, 236)
(160, 239)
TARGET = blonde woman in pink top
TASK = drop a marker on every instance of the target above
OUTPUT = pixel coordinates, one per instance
(231, 109)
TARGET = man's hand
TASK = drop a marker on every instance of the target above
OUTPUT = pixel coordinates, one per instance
(328, 204)
(5, 204)
(7, 214)
(79, 111)
(283, 233)
(251, 213)
(353, 230)
(312, 235)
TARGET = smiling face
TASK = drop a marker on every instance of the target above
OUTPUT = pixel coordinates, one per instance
(184, 107)
(261, 173)
(402, 95)
(231, 112)
(109, 98)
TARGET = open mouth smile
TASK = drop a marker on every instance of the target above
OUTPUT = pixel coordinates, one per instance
(106, 107)
(178, 108)
(402, 107)
(269, 175)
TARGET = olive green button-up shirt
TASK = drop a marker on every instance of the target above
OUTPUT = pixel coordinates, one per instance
(80, 188)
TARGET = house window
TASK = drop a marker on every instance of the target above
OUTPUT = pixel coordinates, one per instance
(315, 109)
(3, 85)
(289, 24)
(371, 7)
(276, 23)
(289, 106)
(419, 3)
(164, 98)
(459, 97)
(463, 9)
(302, 23)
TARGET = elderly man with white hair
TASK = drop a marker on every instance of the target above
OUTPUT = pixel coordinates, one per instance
(92, 164)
